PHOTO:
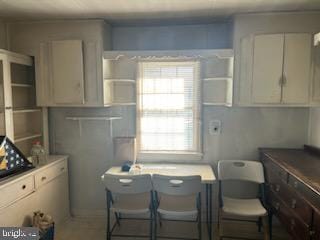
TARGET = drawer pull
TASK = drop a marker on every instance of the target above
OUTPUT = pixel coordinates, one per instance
(23, 187)
(312, 232)
(62, 169)
(293, 223)
(277, 187)
(43, 178)
(293, 203)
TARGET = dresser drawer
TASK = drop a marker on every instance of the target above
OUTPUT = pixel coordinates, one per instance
(270, 167)
(297, 228)
(50, 173)
(15, 191)
(291, 199)
(316, 226)
(305, 191)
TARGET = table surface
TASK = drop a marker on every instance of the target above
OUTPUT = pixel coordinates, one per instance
(205, 171)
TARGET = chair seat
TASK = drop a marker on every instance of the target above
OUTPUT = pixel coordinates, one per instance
(178, 205)
(132, 204)
(243, 207)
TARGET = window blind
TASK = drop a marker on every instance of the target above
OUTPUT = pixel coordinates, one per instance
(168, 107)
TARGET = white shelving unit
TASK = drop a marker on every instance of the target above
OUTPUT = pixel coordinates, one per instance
(23, 122)
(80, 119)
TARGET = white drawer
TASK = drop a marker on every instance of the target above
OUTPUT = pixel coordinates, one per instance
(15, 191)
(50, 173)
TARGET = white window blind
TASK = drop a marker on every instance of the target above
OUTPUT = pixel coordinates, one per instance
(168, 107)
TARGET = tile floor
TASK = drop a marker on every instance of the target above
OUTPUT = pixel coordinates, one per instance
(94, 229)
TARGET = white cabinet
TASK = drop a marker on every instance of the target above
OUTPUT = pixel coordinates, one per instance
(44, 188)
(69, 62)
(67, 72)
(20, 119)
(275, 70)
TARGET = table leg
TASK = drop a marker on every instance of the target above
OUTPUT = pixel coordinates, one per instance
(209, 209)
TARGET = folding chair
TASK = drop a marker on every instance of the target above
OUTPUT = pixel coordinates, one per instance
(249, 171)
(178, 197)
(128, 195)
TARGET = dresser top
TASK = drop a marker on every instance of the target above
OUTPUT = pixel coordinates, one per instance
(304, 164)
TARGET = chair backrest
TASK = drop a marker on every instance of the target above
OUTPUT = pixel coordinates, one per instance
(241, 170)
(177, 185)
(128, 184)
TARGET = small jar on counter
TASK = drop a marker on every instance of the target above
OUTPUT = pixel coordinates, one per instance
(38, 154)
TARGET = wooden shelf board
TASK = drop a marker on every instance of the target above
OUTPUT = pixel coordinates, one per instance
(26, 136)
(120, 80)
(217, 79)
(22, 85)
(26, 110)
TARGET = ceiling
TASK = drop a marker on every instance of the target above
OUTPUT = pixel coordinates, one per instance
(119, 10)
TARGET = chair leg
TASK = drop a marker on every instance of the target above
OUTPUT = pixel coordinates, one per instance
(219, 224)
(151, 224)
(155, 224)
(265, 228)
(259, 224)
(199, 225)
(108, 235)
(270, 216)
(117, 218)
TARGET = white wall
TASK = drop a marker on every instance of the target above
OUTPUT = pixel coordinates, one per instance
(314, 127)
(172, 37)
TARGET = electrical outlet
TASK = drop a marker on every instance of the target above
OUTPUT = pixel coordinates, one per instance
(215, 127)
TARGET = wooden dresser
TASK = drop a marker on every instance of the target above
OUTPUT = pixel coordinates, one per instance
(293, 189)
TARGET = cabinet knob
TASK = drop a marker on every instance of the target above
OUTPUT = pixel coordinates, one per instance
(293, 203)
(62, 169)
(23, 187)
(43, 178)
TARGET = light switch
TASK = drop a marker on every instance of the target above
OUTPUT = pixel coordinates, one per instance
(215, 127)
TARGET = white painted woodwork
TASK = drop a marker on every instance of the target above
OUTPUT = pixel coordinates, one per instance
(296, 68)
(267, 68)
(23, 122)
(128, 9)
(275, 70)
(67, 72)
(35, 38)
(13, 192)
(42, 177)
(51, 197)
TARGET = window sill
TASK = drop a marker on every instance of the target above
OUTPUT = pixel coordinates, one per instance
(169, 156)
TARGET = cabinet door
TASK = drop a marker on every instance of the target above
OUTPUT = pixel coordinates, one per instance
(67, 72)
(296, 68)
(267, 68)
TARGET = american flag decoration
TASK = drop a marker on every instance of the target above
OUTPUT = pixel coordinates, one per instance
(10, 156)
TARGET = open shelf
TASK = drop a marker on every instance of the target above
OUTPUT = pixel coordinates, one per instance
(26, 136)
(26, 110)
(22, 85)
(120, 80)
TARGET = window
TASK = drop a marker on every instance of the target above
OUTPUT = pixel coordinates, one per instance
(168, 112)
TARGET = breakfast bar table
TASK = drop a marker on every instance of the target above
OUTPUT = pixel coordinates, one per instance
(203, 170)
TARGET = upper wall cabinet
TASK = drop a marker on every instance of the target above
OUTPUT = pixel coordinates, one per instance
(275, 70)
(68, 59)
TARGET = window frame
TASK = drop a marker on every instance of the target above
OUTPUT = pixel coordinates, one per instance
(197, 109)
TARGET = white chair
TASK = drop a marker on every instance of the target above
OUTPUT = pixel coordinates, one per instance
(177, 197)
(128, 195)
(251, 208)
